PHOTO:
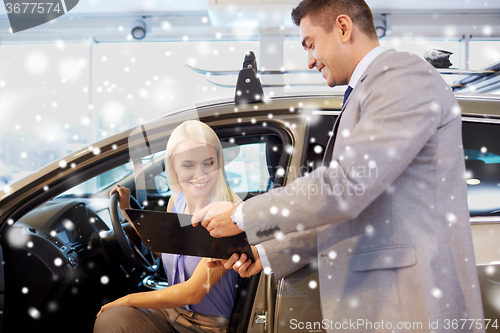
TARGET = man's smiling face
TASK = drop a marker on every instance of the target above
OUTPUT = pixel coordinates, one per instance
(325, 51)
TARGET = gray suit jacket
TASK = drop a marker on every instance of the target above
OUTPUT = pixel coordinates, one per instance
(394, 241)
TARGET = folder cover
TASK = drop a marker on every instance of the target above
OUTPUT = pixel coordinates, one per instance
(173, 233)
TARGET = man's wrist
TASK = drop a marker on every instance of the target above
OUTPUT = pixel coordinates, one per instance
(237, 216)
(233, 215)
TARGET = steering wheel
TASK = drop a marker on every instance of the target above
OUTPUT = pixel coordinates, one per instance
(136, 253)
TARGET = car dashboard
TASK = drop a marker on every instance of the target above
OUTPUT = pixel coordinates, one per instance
(54, 256)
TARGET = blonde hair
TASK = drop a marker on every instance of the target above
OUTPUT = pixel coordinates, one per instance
(200, 133)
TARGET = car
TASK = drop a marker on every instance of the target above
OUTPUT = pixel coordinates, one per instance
(67, 250)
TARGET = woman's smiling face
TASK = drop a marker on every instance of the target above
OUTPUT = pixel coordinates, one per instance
(196, 167)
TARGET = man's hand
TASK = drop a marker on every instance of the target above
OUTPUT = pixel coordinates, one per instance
(216, 218)
(243, 266)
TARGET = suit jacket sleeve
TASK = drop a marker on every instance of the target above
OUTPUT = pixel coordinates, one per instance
(291, 252)
(399, 111)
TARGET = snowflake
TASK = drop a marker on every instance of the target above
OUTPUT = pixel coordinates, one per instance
(369, 230)
(34, 313)
(437, 293)
(435, 107)
(37, 62)
(391, 152)
(279, 235)
(452, 218)
(353, 303)
(52, 306)
(104, 279)
(455, 110)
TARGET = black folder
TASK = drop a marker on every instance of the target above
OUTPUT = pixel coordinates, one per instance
(173, 233)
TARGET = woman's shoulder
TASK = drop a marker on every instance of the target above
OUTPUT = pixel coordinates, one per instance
(173, 200)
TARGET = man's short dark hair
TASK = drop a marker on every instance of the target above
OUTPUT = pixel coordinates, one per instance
(324, 12)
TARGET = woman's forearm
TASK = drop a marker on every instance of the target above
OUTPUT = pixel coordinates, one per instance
(189, 292)
(170, 297)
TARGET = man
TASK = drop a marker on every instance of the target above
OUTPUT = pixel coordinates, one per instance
(397, 253)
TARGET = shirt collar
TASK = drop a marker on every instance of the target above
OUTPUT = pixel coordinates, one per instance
(364, 63)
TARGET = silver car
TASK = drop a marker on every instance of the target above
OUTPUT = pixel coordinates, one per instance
(66, 250)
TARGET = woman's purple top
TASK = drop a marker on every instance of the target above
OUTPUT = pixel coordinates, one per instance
(220, 299)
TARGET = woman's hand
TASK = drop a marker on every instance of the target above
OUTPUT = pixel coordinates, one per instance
(119, 302)
(124, 193)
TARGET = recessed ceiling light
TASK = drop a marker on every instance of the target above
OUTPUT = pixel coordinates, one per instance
(473, 181)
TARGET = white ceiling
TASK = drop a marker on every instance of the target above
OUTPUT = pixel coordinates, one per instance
(110, 20)
(133, 6)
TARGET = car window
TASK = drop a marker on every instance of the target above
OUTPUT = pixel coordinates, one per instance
(109, 178)
(102, 181)
(248, 172)
(320, 128)
(482, 160)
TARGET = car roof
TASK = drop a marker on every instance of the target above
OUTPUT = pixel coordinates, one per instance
(471, 104)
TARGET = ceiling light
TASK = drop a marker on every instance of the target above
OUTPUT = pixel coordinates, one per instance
(473, 181)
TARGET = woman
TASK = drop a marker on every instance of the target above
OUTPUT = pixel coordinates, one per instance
(195, 301)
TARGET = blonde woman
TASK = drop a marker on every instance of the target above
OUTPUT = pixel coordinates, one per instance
(195, 300)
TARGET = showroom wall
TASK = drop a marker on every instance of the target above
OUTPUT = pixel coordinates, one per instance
(59, 94)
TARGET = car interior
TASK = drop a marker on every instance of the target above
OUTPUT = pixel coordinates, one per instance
(67, 257)
(482, 160)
